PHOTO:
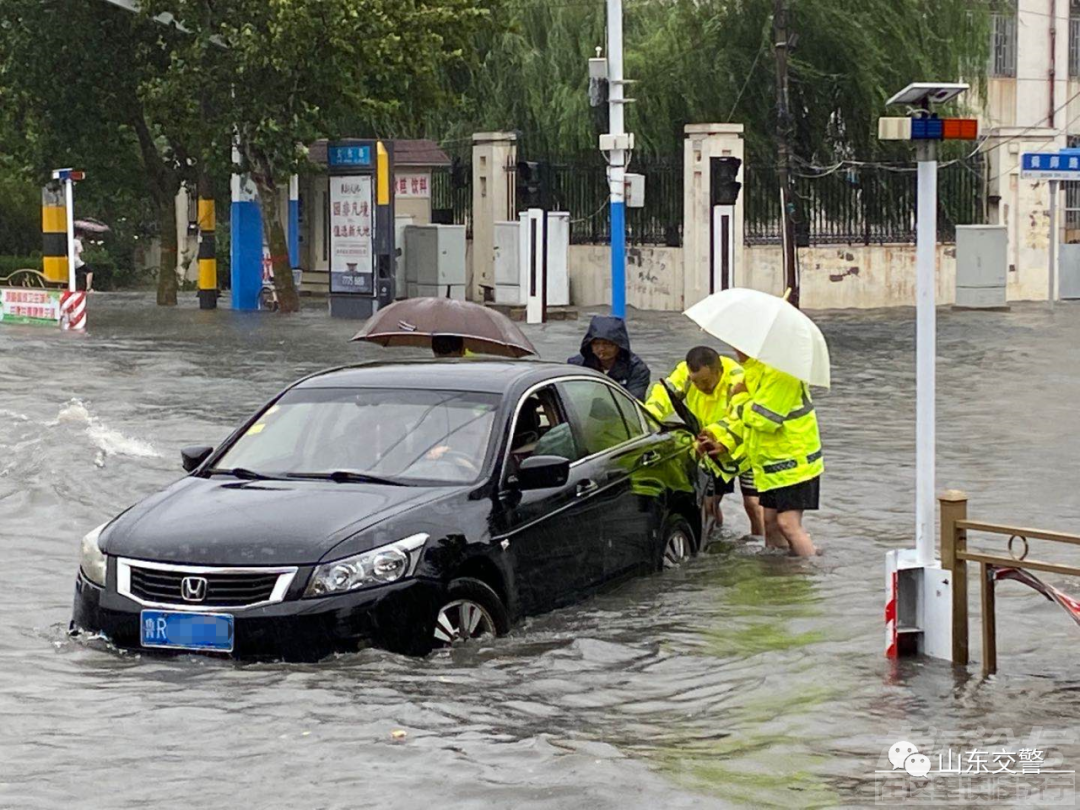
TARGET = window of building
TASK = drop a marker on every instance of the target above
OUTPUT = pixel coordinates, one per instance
(1003, 44)
(1074, 38)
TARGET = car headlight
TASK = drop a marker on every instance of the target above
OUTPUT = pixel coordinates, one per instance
(92, 562)
(379, 566)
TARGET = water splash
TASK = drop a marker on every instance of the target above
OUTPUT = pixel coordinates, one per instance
(108, 441)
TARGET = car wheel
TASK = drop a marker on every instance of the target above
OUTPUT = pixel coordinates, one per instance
(471, 610)
(678, 542)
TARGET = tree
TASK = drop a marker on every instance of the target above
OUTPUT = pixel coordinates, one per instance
(76, 74)
(695, 61)
(278, 74)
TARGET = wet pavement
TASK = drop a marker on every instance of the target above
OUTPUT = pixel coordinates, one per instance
(741, 680)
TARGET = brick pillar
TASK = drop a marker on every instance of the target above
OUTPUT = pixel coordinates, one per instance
(493, 201)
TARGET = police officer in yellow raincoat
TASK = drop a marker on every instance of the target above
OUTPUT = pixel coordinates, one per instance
(705, 382)
(773, 422)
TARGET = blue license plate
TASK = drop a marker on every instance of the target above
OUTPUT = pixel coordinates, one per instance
(187, 631)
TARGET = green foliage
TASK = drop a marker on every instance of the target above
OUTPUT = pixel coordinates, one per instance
(698, 61)
(9, 264)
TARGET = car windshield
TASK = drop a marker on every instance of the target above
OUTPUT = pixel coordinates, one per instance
(398, 435)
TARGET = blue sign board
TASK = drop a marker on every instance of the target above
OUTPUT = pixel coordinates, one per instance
(1051, 165)
(348, 155)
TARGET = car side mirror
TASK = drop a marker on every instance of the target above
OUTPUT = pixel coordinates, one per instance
(192, 457)
(543, 472)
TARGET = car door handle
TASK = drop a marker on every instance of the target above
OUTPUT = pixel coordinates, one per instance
(650, 458)
(586, 487)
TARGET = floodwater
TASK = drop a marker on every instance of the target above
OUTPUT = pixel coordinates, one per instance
(740, 681)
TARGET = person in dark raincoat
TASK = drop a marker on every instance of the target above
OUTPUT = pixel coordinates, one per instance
(606, 348)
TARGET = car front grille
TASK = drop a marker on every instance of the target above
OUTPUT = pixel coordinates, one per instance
(164, 585)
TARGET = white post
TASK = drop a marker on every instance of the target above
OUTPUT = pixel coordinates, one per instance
(1052, 272)
(723, 248)
(925, 353)
(534, 264)
(69, 203)
(616, 158)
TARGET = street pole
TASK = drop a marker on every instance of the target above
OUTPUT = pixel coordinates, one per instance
(69, 204)
(783, 140)
(1052, 273)
(925, 352)
(616, 157)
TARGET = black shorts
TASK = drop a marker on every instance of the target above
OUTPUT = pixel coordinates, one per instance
(718, 486)
(801, 497)
(746, 484)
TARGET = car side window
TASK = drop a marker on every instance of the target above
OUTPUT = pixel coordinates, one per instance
(593, 409)
(631, 412)
(541, 429)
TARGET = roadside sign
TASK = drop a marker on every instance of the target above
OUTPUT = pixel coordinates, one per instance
(1050, 165)
(348, 155)
(29, 306)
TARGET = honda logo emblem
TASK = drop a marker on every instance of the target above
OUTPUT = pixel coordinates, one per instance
(193, 589)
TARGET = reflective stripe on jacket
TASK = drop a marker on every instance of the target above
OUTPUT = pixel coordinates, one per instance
(708, 408)
(779, 427)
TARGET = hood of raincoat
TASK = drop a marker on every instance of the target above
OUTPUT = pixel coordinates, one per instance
(606, 327)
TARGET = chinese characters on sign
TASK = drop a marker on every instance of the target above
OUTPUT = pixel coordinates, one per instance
(1050, 166)
(351, 234)
(37, 307)
(412, 185)
(356, 155)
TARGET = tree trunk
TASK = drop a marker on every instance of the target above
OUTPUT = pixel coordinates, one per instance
(274, 230)
(166, 282)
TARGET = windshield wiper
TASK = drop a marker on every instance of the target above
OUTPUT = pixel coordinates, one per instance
(350, 476)
(245, 473)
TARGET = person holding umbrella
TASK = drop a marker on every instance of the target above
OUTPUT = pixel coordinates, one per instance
(782, 352)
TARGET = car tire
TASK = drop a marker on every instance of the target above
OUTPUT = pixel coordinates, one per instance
(676, 542)
(470, 610)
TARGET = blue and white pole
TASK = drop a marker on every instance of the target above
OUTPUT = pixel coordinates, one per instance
(616, 144)
(294, 221)
(245, 244)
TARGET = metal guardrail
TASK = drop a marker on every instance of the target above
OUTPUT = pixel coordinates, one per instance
(955, 557)
(26, 278)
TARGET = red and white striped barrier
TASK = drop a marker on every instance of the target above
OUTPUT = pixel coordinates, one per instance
(891, 650)
(73, 311)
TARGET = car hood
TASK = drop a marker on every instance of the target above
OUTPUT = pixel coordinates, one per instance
(202, 521)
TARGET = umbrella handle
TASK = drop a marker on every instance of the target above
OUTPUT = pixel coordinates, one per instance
(787, 294)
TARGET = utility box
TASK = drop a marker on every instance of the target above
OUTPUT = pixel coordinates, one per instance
(981, 266)
(435, 260)
(512, 268)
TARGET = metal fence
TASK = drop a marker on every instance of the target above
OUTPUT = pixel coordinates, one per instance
(578, 184)
(860, 205)
(451, 195)
(863, 205)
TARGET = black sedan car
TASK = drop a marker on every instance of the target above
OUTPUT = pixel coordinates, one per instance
(407, 505)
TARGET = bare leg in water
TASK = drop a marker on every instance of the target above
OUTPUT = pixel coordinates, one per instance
(798, 540)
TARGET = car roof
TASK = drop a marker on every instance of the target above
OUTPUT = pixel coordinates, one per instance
(473, 374)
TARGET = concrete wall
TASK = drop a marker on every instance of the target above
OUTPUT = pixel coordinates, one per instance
(837, 277)
(654, 277)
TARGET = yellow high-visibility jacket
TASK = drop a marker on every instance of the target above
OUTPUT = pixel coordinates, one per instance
(774, 426)
(708, 408)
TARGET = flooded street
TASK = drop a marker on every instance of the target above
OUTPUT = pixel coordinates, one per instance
(740, 680)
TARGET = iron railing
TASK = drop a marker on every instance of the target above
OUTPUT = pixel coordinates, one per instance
(578, 184)
(860, 205)
(451, 195)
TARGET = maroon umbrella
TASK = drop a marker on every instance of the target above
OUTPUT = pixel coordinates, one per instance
(415, 321)
(91, 225)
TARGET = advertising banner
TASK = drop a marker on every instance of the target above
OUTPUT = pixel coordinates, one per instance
(30, 306)
(351, 233)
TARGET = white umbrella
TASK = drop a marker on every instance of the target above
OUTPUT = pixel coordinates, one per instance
(768, 328)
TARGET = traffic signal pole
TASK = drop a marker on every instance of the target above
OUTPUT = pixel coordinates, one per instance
(617, 143)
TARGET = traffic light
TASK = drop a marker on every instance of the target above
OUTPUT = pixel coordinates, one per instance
(723, 185)
(531, 188)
